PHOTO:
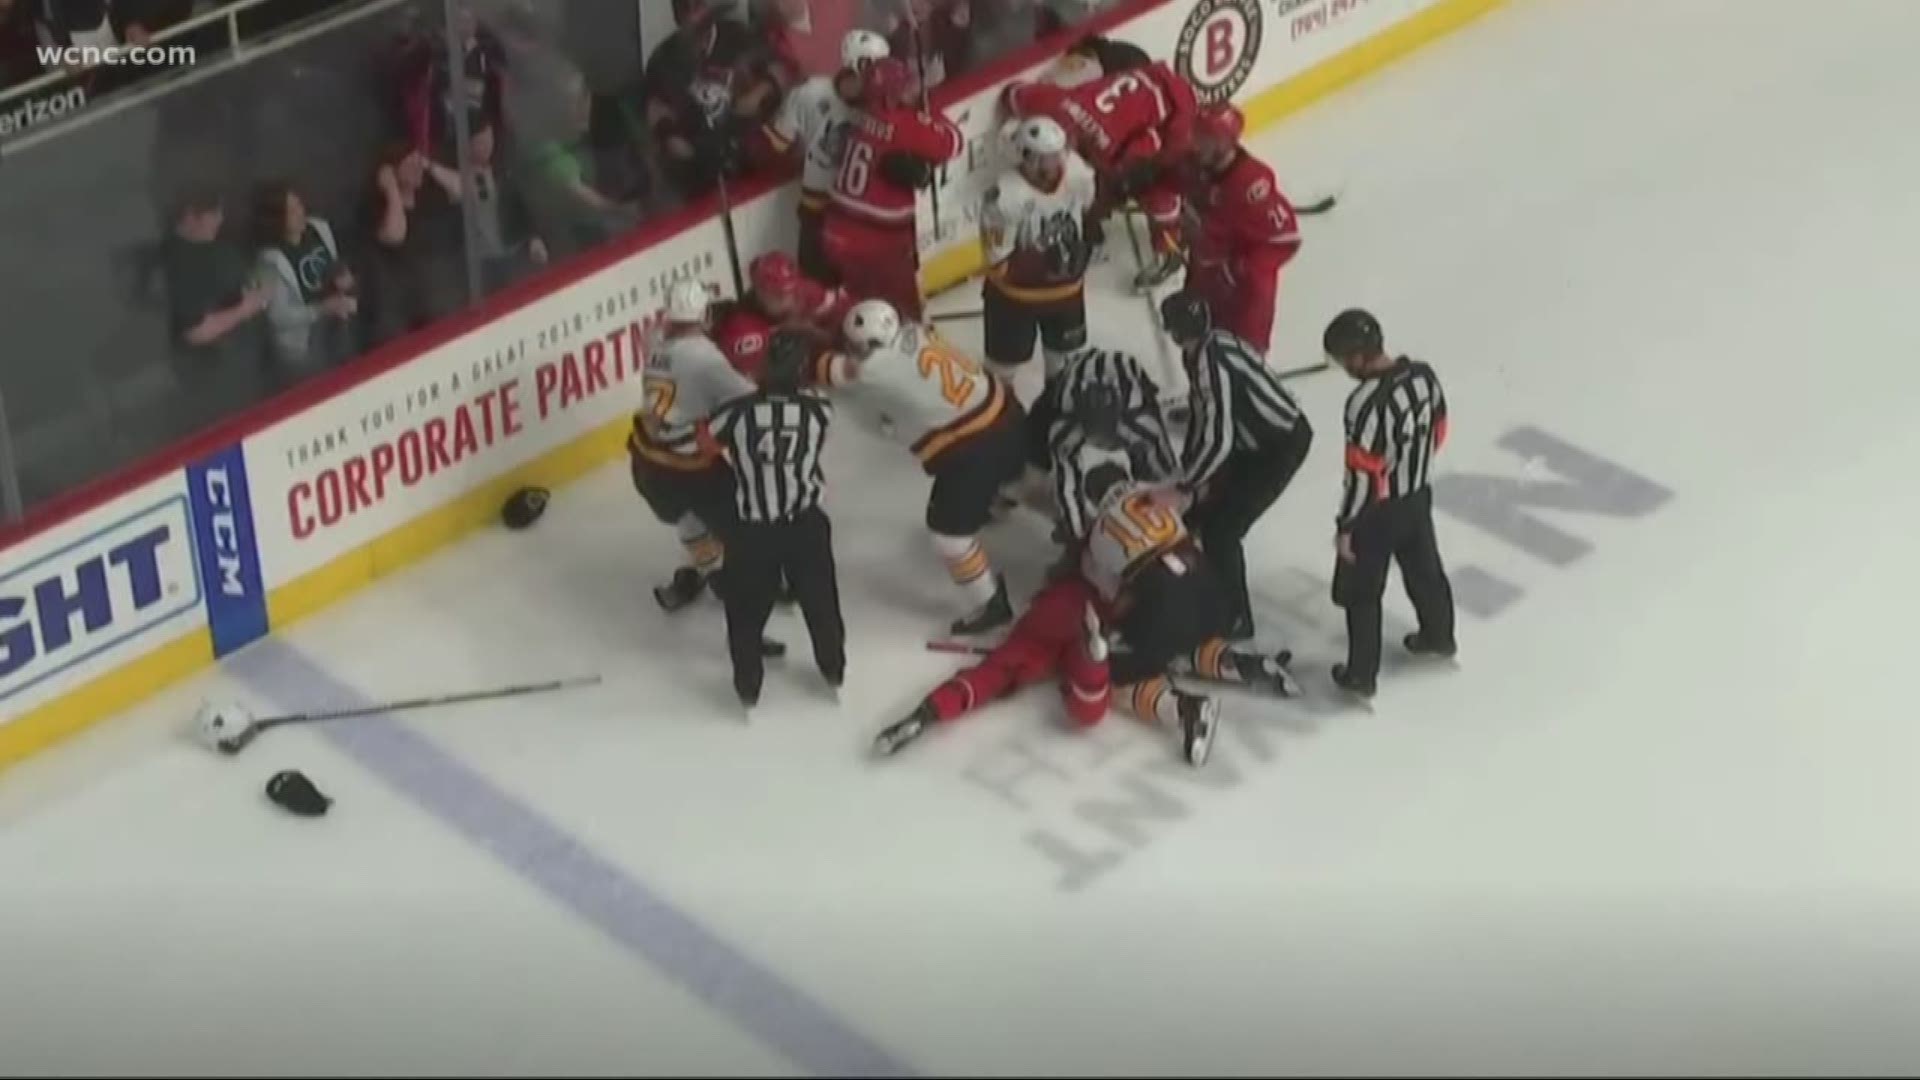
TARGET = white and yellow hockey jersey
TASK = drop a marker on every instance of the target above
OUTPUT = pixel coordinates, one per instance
(813, 116)
(1135, 524)
(686, 378)
(931, 395)
(1024, 229)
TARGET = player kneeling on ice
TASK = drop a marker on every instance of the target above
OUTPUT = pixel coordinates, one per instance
(1140, 571)
(962, 422)
(1031, 225)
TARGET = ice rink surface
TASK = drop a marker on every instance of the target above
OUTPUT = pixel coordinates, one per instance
(1662, 817)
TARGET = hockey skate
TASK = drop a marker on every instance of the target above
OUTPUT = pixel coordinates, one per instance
(1418, 646)
(894, 737)
(1161, 272)
(1266, 672)
(1199, 719)
(992, 615)
(1352, 685)
(685, 587)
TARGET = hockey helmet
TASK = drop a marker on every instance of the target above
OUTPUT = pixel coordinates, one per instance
(1096, 412)
(888, 81)
(1040, 136)
(220, 723)
(687, 302)
(775, 275)
(871, 324)
(861, 48)
(1353, 334)
(1186, 316)
(1223, 123)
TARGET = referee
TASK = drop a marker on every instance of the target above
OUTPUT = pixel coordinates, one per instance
(1396, 423)
(1057, 440)
(774, 438)
(1246, 440)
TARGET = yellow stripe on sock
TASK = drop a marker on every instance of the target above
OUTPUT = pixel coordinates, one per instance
(1209, 659)
(970, 567)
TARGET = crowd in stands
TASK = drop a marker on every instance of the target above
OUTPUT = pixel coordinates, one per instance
(533, 144)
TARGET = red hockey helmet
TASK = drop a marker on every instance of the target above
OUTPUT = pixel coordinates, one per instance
(887, 82)
(1222, 123)
(776, 276)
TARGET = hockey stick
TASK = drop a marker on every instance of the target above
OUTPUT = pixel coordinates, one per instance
(733, 241)
(958, 316)
(239, 742)
(1318, 206)
(926, 110)
(1309, 369)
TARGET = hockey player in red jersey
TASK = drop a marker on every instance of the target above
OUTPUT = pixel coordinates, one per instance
(1130, 126)
(1248, 230)
(891, 153)
(780, 297)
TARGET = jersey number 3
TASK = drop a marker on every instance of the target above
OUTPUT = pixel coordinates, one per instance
(957, 374)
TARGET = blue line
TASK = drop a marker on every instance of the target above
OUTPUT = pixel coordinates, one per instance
(773, 1010)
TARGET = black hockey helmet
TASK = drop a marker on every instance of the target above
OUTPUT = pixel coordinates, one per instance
(1096, 412)
(1102, 479)
(788, 354)
(1353, 333)
(1186, 316)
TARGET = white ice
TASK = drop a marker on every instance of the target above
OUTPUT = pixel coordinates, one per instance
(1662, 817)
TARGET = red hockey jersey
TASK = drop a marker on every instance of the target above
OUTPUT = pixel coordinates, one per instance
(1247, 226)
(1118, 119)
(863, 189)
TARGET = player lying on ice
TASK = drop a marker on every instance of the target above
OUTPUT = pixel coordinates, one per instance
(1140, 572)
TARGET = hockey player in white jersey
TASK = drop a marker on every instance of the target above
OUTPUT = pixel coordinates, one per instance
(1032, 226)
(962, 421)
(812, 120)
(686, 486)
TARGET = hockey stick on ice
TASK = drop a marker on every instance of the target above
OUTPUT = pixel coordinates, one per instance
(239, 742)
(1318, 206)
(1307, 369)
(958, 316)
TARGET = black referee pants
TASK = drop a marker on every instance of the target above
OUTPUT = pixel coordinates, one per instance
(759, 554)
(1401, 531)
(1243, 489)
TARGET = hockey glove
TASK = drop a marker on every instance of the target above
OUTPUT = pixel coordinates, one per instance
(907, 170)
(1135, 178)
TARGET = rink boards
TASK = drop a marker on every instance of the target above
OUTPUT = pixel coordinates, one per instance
(307, 500)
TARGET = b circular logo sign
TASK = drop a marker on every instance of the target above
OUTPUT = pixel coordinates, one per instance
(1218, 47)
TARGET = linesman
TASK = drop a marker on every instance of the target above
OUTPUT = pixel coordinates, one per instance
(1396, 423)
(774, 439)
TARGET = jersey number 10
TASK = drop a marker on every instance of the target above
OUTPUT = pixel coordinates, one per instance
(1142, 527)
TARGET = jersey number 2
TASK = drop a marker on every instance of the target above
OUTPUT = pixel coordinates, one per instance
(1142, 526)
(955, 372)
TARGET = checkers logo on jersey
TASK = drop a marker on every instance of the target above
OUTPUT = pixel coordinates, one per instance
(1218, 47)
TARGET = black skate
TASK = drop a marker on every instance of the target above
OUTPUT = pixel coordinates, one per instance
(1268, 673)
(1352, 685)
(771, 649)
(684, 589)
(1419, 646)
(992, 615)
(1199, 719)
(894, 737)
(1146, 281)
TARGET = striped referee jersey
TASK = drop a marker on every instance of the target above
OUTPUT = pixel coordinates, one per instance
(1238, 403)
(1396, 423)
(774, 441)
(1143, 427)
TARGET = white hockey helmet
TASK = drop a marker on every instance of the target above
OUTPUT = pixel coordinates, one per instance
(862, 47)
(687, 302)
(1039, 136)
(870, 325)
(220, 721)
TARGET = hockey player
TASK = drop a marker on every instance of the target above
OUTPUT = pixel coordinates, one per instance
(1055, 440)
(891, 153)
(1139, 571)
(1131, 126)
(1032, 227)
(962, 422)
(1248, 230)
(813, 120)
(781, 297)
(686, 486)
(1246, 440)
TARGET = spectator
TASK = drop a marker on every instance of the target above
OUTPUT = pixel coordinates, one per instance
(429, 97)
(802, 37)
(78, 23)
(137, 21)
(702, 95)
(19, 62)
(413, 274)
(312, 294)
(574, 209)
(504, 240)
(936, 33)
(213, 313)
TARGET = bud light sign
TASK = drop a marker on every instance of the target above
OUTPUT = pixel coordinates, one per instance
(95, 594)
(229, 558)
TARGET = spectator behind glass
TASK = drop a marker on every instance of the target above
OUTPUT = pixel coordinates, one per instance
(414, 272)
(428, 98)
(804, 36)
(504, 239)
(18, 61)
(702, 96)
(938, 33)
(213, 309)
(311, 292)
(139, 20)
(573, 210)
